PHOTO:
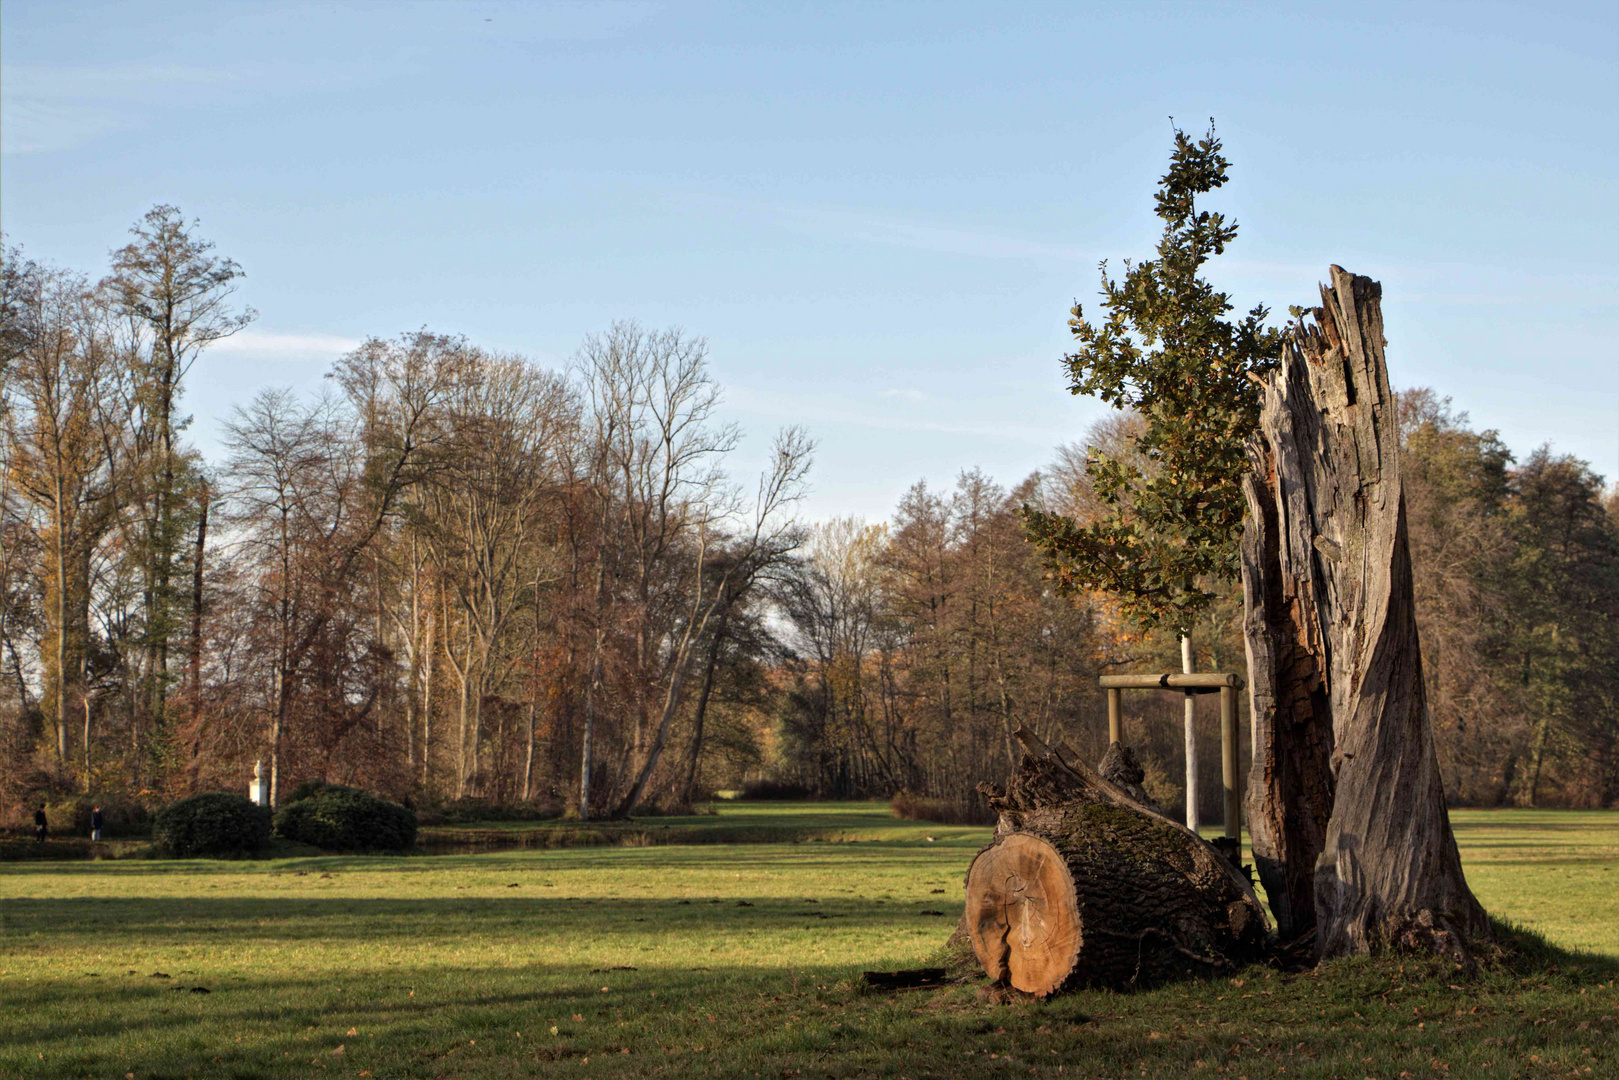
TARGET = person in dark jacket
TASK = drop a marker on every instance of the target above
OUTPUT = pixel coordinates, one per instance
(95, 823)
(39, 823)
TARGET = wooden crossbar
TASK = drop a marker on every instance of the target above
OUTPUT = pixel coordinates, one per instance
(1204, 682)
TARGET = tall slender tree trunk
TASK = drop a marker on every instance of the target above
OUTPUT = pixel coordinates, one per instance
(87, 773)
(593, 687)
(275, 734)
(283, 657)
(528, 754)
(1346, 803)
(1537, 754)
(1193, 818)
(461, 675)
(59, 648)
(428, 657)
(196, 612)
(415, 646)
(715, 642)
(586, 747)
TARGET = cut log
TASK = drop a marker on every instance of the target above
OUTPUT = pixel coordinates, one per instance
(1345, 803)
(1085, 886)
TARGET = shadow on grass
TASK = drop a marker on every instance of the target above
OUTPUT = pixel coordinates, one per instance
(1528, 954)
(151, 922)
(841, 858)
(428, 1010)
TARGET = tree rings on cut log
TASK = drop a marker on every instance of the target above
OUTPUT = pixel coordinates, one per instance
(1023, 915)
(1084, 885)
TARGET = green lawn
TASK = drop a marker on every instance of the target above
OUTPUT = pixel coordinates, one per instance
(716, 960)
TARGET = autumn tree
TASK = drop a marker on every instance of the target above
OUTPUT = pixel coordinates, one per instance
(59, 379)
(480, 515)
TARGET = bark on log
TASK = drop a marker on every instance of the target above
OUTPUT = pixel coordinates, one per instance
(1345, 802)
(1083, 885)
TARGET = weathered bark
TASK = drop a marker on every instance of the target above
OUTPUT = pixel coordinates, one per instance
(1120, 768)
(1083, 885)
(1345, 802)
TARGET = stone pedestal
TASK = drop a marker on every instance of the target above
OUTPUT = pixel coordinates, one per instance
(258, 789)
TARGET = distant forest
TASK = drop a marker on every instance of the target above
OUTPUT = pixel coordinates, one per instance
(460, 576)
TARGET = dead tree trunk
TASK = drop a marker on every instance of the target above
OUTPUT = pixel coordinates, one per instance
(1345, 802)
(1083, 885)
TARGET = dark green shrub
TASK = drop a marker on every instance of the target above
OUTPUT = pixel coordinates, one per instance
(347, 819)
(311, 788)
(213, 823)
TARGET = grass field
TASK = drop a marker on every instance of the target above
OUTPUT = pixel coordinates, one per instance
(738, 960)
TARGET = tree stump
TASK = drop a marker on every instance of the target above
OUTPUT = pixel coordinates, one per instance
(1345, 803)
(1084, 885)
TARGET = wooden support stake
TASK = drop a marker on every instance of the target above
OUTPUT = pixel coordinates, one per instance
(1228, 762)
(1115, 715)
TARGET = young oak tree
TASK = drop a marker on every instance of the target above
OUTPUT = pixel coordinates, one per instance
(1166, 539)
(1168, 535)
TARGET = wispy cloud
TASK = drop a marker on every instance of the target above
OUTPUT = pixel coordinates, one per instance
(909, 396)
(259, 344)
(46, 109)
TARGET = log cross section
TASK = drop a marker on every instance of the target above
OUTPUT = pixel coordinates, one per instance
(1083, 885)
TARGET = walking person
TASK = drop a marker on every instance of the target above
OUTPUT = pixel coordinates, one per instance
(95, 823)
(39, 824)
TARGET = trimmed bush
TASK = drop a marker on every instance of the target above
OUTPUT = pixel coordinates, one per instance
(347, 819)
(215, 823)
(310, 788)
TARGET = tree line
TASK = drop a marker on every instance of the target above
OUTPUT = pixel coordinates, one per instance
(458, 575)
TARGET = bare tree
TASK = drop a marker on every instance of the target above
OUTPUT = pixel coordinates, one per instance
(292, 477)
(726, 577)
(652, 466)
(479, 514)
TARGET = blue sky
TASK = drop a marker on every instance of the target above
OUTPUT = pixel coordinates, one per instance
(877, 214)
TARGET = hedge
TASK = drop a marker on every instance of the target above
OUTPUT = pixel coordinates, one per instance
(216, 823)
(346, 819)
